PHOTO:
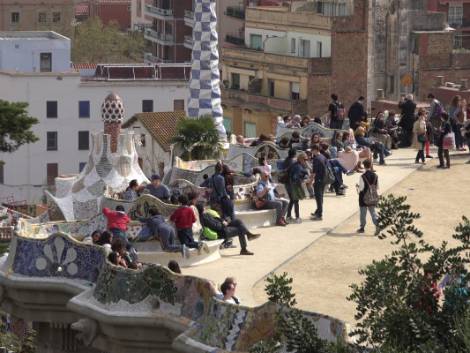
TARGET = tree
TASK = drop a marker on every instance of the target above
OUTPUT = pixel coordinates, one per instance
(198, 138)
(397, 305)
(95, 42)
(15, 126)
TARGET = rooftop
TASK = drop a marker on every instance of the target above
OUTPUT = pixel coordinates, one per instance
(162, 125)
(31, 35)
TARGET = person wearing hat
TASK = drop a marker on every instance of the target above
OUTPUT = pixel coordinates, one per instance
(157, 189)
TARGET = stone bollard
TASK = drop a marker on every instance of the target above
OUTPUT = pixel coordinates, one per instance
(380, 94)
(439, 81)
(464, 84)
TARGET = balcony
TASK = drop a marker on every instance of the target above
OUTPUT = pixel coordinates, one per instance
(266, 103)
(160, 38)
(157, 12)
(189, 18)
(237, 12)
(234, 39)
(188, 42)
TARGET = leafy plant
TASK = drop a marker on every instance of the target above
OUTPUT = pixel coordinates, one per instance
(279, 290)
(198, 138)
(398, 302)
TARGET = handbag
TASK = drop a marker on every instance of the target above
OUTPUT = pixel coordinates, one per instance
(448, 142)
(422, 138)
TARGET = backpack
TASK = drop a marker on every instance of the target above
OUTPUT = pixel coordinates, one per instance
(258, 202)
(329, 177)
(371, 196)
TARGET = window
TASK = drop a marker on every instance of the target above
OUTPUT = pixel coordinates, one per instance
(42, 17)
(178, 104)
(455, 16)
(295, 90)
(84, 109)
(292, 45)
(51, 140)
(45, 62)
(15, 17)
(235, 84)
(458, 43)
(271, 88)
(228, 125)
(56, 17)
(304, 48)
(250, 130)
(147, 106)
(52, 172)
(256, 41)
(81, 166)
(142, 140)
(51, 107)
(319, 49)
(2, 172)
(83, 140)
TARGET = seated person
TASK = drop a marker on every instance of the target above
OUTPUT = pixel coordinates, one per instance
(380, 132)
(284, 143)
(376, 147)
(318, 120)
(92, 238)
(156, 227)
(174, 266)
(105, 240)
(228, 292)
(157, 189)
(132, 191)
(296, 140)
(266, 199)
(392, 128)
(184, 218)
(240, 140)
(226, 230)
(305, 121)
(315, 139)
(117, 260)
(262, 139)
(227, 282)
(120, 248)
(337, 141)
(117, 221)
(295, 123)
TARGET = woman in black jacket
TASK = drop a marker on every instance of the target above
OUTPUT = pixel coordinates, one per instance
(443, 151)
(226, 230)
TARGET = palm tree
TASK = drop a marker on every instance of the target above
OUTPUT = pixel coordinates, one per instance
(198, 138)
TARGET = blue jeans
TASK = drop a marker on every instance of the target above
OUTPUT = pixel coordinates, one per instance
(185, 237)
(363, 214)
(144, 234)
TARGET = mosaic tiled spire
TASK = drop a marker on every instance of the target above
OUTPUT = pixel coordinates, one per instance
(204, 86)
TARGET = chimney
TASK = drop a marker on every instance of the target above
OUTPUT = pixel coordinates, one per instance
(112, 114)
(380, 94)
(439, 81)
(464, 84)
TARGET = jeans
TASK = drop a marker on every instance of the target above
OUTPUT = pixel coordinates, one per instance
(319, 190)
(292, 203)
(363, 214)
(338, 170)
(379, 148)
(228, 210)
(186, 237)
(118, 233)
(280, 205)
(336, 124)
(420, 154)
(166, 234)
(236, 228)
(443, 153)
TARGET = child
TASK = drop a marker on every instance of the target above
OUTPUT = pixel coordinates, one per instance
(183, 218)
(117, 221)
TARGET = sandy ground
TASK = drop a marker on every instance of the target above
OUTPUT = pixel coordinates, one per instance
(323, 272)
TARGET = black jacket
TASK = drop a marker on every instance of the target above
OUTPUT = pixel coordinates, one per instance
(355, 114)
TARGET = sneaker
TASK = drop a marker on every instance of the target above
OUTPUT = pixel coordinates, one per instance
(429, 156)
(314, 214)
(251, 237)
(297, 221)
(245, 252)
(440, 167)
(360, 230)
(316, 218)
(289, 219)
(340, 193)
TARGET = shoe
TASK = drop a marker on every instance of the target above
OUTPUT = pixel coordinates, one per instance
(281, 223)
(377, 231)
(245, 252)
(228, 245)
(360, 230)
(440, 167)
(284, 220)
(468, 162)
(205, 247)
(416, 162)
(314, 214)
(297, 221)
(340, 193)
(316, 218)
(289, 219)
(430, 157)
(382, 163)
(447, 167)
(344, 186)
(251, 237)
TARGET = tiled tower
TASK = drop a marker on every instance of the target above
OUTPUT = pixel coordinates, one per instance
(204, 86)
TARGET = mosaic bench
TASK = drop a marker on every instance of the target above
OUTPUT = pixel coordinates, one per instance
(307, 132)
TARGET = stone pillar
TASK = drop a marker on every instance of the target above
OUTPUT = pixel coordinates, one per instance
(380, 94)
(464, 84)
(112, 114)
(439, 81)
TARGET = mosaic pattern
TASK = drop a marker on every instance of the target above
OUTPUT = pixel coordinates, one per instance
(57, 256)
(145, 202)
(267, 149)
(204, 85)
(308, 131)
(112, 109)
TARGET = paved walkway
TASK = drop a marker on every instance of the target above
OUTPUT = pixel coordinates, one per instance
(279, 245)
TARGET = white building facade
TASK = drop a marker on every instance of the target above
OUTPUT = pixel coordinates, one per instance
(68, 108)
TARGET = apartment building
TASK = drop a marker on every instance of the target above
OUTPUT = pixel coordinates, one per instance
(139, 18)
(271, 74)
(458, 17)
(28, 15)
(67, 102)
(170, 35)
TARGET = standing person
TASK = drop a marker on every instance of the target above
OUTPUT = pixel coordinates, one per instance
(456, 121)
(284, 178)
(356, 113)
(157, 189)
(183, 218)
(435, 112)
(319, 171)
(117, 221)
(219, 195)
(336, 112)
(297, 174)
(408, 108)
(368, 182)
(443, 149)
(420, 136)
(429, 138)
